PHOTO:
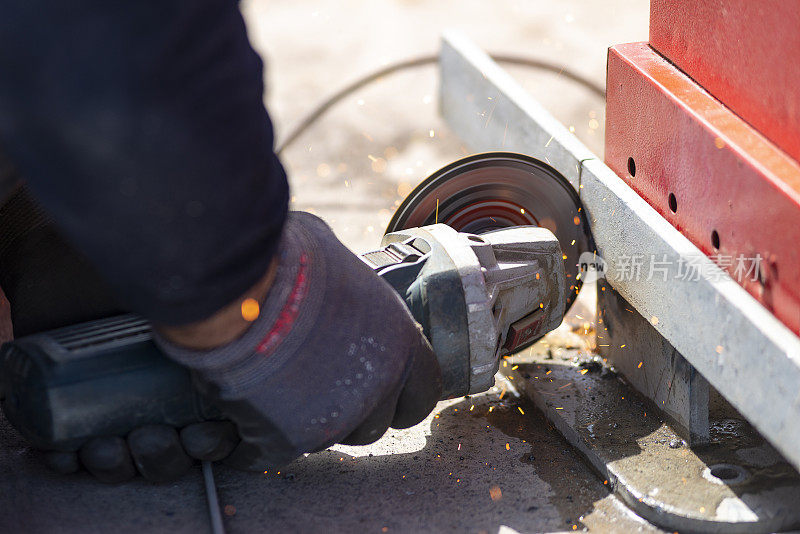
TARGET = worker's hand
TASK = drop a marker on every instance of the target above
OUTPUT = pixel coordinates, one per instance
(333, 356)
(49, 284)
(160, 453)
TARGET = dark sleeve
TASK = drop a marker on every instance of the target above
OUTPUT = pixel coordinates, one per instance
(140, 127)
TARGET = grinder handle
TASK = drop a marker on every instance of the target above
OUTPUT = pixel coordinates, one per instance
(107, 377)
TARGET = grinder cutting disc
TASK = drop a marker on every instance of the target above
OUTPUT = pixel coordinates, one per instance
(496, 190)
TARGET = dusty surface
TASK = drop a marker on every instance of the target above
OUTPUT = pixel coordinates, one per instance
(464, 469)
(356, 164)
(645, 458)
(352, 168)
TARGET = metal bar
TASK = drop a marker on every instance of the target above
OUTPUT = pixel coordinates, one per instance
(632, 450)
(652, 365)
(749, 356)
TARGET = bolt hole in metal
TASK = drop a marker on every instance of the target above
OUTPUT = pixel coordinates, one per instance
(631, 167)
(673, 203)
(715, 239)
(727, 474)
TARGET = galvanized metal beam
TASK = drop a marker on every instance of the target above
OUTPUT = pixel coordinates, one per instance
(652, 365)
(749, 356)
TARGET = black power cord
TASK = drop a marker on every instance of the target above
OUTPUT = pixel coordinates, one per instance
(420, 61)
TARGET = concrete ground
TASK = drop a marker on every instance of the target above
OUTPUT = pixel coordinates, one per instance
(466, 468)
(356, 164)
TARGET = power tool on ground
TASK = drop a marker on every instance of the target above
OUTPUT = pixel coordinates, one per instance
(484, 252)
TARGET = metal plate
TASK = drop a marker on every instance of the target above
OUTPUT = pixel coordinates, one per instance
(735, 484)
(496, 190)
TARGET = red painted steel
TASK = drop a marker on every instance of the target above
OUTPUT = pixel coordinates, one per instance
(744, 52)
(725, 176)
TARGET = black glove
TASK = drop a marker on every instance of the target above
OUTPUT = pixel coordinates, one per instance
(49, 285)
(334, 356)
(158, 452)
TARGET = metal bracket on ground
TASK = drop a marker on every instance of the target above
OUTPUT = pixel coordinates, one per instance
(652, 365)
(736, 484)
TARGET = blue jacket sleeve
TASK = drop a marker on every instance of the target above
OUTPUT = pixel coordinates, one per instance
(140, 127)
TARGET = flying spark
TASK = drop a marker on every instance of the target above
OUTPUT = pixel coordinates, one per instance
(250, 310)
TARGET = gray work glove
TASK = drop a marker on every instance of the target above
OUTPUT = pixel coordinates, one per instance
(50, 285)
(334, 357)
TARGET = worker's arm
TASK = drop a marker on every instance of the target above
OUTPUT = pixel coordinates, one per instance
(140, 128)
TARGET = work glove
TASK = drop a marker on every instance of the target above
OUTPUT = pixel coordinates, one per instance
(50, 285)
(333, 357)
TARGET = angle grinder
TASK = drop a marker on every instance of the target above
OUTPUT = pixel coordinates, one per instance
(484, 252)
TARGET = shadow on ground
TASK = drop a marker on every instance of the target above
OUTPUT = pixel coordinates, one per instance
(483, 465)
(479, 470)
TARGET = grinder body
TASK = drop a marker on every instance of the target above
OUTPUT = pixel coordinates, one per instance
(477, 298)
